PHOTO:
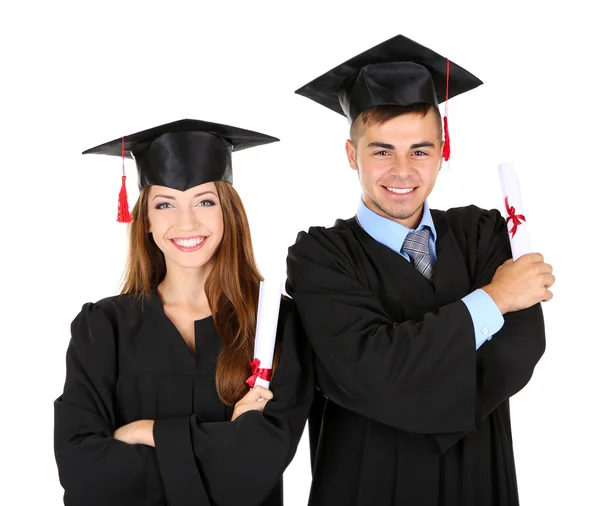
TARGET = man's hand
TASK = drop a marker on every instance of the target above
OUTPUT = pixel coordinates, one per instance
(521, 284)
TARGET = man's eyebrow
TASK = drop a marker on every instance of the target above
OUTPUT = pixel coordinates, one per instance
(391, 147)
(424, 144)
(381, 145)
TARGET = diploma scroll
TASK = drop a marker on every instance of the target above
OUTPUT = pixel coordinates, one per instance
(518, 231)
(269, 300)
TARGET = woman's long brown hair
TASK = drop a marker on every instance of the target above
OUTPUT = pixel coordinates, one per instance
(231, 288)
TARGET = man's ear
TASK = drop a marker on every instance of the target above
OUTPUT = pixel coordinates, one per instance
(351, 154)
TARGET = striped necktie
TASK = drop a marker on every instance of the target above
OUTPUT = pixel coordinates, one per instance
(416, 246)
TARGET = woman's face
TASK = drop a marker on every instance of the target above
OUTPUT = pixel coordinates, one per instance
(187, 226)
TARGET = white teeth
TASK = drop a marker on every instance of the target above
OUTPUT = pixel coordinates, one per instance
(189, 243)
(400, 191)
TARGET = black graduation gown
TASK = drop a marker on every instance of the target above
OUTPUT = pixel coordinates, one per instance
(415, 414)
(126, 361)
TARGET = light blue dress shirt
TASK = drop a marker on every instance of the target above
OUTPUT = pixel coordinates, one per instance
(487, 318)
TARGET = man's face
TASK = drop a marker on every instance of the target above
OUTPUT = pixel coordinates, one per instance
(397, 163)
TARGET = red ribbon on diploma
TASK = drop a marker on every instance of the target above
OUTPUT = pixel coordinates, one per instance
(257, 372)
(516, 218)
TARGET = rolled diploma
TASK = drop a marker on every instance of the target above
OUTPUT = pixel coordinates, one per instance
(520, 242)
(269, 300)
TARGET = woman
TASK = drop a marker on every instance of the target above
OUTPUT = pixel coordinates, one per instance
(155, 408)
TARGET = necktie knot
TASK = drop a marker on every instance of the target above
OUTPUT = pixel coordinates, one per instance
(416, 246)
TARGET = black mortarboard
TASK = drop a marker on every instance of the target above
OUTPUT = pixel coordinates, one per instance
(398, 71)
(182, 154)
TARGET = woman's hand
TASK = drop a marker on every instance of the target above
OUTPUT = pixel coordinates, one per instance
(255, 399)
(138, 432)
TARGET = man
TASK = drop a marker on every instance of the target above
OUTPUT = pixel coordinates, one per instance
(422, 324)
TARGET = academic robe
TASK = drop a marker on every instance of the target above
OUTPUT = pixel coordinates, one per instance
(126, 361)
(415, 415)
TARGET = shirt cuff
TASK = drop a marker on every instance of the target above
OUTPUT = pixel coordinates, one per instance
(487, 318)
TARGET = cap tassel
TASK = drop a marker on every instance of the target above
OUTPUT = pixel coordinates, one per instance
(123, 215)
(446, 150)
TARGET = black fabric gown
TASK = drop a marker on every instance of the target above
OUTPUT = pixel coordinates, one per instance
(126, 361)
(415, 414)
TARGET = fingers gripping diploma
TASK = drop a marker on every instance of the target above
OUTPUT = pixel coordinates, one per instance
(520, 284)
(256, 399)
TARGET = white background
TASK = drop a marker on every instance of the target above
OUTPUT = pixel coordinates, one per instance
(76, 74)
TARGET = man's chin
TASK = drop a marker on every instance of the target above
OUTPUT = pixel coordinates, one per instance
(398, 212)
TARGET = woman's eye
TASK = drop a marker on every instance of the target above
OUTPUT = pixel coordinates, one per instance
(207, 202)
(163, 205)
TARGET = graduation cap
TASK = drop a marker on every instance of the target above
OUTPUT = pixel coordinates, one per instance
(398, 71)
(180, 155)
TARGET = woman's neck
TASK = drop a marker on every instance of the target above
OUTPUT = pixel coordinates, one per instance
(185, 287)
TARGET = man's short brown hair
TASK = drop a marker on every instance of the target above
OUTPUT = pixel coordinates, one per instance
(382, 113)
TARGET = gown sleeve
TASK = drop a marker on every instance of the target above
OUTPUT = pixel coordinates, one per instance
(420, 376)
(505, 363)
(241, 461)
(94, 468)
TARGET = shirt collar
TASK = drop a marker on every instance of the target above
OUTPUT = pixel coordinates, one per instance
(388, 232)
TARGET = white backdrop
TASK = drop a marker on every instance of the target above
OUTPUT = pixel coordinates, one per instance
(76, 74)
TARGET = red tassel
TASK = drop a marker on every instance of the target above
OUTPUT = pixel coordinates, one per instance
(123, 215)
(446, 150)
